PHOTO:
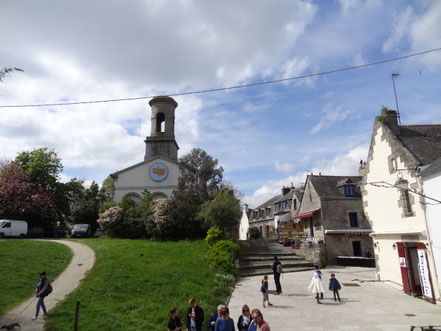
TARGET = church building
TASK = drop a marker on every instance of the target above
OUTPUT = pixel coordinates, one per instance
(159, 172)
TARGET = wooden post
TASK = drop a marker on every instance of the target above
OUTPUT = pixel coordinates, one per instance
(77, 315)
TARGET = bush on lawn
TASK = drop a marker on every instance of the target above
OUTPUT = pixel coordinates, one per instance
(254, 232)
(222, 255)
(214, 235)
(110, 220)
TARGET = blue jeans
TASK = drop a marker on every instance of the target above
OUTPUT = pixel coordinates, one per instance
(40, 302)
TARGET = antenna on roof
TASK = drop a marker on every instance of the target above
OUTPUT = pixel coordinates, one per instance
(395, 75)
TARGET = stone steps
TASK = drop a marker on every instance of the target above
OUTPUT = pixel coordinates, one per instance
(269, 272)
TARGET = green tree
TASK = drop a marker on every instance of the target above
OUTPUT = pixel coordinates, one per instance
(85, 210)
(107, 190)
(223, 211)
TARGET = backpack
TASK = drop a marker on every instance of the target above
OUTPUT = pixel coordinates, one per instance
(48, 289)
(263, 288)
(279, 268)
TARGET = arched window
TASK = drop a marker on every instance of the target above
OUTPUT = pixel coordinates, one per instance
(160, 122)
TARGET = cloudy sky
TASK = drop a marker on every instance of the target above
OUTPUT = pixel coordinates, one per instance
(264, 137)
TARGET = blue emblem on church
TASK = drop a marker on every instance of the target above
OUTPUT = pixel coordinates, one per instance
(158, 172)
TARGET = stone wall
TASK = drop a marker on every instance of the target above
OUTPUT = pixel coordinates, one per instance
(314, 253)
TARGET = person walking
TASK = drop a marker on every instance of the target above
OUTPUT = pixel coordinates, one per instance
(320, 274)
(41, 293)
(316, 286)
(211, 323)
(225, 323)
(264, 290)
(174, 323)
(244, 320)
(334, 286)
(259, 321)
(277, 270)
(195, 316)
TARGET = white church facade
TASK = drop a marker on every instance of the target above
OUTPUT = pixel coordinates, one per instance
(159, 172)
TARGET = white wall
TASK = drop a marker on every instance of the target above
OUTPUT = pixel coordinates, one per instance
(244, 224)
(137, 179)
(432, 188)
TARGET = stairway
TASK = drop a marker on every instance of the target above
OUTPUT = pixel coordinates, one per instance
(257, 257)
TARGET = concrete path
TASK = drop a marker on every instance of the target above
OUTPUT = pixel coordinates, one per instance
(82, 261)
(369, 306)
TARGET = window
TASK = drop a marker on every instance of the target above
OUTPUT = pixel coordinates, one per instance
(349, 190)
(289, 203)
(268, 211)
(267, 230)
(407, 207)
(284, 205)
(276, 207)
(356, 245)
(295, 204)
(7, 225)
(160, 122)
(310, 198)
(353, 219)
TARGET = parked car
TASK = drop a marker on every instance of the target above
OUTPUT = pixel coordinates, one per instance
(55, 232)
(36, 232)
(81, 230)
(10, 228)
(99, 233)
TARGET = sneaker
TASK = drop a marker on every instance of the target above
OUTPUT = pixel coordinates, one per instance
(319, 302)
(34, 318)
(264, 306)
(270, 304)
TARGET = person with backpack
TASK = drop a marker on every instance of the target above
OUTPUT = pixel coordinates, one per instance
(43, 290)
(277, 270)
(264, 290)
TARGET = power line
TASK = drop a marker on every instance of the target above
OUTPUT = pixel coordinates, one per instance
(229, 87)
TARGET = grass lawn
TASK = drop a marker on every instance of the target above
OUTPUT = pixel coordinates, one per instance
(134, 283)
(20, 263)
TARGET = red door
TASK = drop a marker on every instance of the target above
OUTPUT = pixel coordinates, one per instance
(404, 268)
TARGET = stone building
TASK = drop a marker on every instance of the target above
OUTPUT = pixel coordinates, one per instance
(394, 180)
(331, 214)
(268, 216)
(159, 172)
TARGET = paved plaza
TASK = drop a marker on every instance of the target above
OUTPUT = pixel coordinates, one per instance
(368, 306)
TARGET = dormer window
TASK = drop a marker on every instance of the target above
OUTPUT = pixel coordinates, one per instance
(349, 190)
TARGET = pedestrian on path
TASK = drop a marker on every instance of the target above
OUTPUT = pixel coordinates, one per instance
(264, 290)
(211, 323)
(334, 286)
(225, 323)
(260, 323)
(195, 316)
(316, 286)
(245, 319)
(277, 270)
(320, 274)
(41, 293)
(174, 323)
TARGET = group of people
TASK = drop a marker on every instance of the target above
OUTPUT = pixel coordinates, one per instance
(219, 321)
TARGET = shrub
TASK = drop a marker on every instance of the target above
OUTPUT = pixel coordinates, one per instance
(222, 255)
(214, 235)
(116, 222)
(127, 203)
(106, 205)
(110, 220)
(254, 232)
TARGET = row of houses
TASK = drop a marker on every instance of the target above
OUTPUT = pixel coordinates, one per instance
(391, 212)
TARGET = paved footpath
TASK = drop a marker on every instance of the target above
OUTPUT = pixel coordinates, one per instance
(369, 306)
(82, 261)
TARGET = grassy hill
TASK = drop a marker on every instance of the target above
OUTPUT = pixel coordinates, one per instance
(134, 283)
(21, 261)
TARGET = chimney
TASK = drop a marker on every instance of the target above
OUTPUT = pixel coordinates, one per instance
(292, 186)
(362, 168)
(285, 190)
(392, 121)
(320, 173)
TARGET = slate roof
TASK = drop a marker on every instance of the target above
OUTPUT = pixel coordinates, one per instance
(270, 203)
(423, 141)
(328, 186)
(434, 166)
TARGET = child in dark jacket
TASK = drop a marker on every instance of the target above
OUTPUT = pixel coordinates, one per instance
(264, 290)
(334, 286)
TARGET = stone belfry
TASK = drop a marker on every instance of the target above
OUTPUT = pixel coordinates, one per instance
(161, 141)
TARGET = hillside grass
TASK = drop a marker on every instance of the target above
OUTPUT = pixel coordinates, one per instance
(21, 261)
(134, 283)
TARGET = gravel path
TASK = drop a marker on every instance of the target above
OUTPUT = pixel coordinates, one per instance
(82, 261)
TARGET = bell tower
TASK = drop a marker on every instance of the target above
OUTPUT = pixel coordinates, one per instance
(161, 141)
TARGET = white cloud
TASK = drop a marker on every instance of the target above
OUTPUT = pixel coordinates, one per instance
(400, 28)
(283, 167)
(332, 115)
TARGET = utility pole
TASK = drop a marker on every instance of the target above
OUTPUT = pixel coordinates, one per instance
(395, 75)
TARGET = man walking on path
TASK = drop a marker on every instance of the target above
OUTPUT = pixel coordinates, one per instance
(277, 268)
(42, 286)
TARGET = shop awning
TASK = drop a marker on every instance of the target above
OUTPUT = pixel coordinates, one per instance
(305, 214)
(348, 232)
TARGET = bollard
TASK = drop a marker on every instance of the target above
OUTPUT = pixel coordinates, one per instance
(77, 315)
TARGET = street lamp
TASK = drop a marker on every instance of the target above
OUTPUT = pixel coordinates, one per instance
(402, 184)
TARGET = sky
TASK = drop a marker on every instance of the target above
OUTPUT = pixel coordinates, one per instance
(264, 137)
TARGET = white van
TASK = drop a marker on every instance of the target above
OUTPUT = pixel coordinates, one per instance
(10, 228)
